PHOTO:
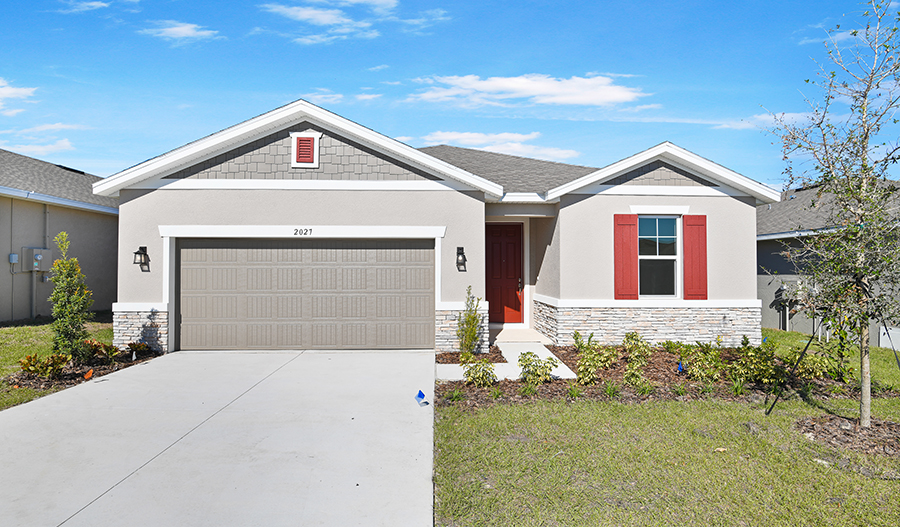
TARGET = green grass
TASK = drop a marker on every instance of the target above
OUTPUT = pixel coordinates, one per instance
(883, 366)
(606, 463)
(17, 341)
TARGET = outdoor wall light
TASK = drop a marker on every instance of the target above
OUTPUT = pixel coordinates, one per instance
(142, 258)
(460, 259)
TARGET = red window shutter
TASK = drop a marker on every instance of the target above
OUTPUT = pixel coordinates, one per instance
(305, 147)
(694, 228)
(625, 250)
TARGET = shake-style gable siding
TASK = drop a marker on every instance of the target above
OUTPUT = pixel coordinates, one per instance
(270, 158)
(626, 254)
(694, 228)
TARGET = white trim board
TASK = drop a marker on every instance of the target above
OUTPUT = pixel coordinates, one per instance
(647, 303)
(53, 200)
(132, 307)
(307, 231)
(297, 184)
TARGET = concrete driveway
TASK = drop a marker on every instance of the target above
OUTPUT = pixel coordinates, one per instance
(228, 438)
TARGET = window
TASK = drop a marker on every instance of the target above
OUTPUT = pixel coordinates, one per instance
(653, 253)
(657, 255)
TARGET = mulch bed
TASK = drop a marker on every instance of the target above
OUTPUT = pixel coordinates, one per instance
(73, 375)
(452, 357)
(668, 384)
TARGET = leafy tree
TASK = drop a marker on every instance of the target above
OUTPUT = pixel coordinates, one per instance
(851, 266)
(71, 301)
(469, 329)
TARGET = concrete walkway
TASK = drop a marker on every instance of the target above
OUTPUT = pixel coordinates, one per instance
(228, 438)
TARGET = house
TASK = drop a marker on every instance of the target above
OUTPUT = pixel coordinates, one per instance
(301, 229)
(781, 225)
(37, 201)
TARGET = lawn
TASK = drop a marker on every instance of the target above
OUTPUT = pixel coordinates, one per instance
(695, 462)
(17, 341)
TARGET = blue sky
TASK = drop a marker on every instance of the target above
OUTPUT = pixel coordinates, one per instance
(103, 85)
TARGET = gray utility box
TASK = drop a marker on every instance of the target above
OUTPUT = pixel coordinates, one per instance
(36, 259)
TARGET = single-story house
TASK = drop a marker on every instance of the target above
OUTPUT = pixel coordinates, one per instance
(301, 229)
(781, 225)
(37, 201)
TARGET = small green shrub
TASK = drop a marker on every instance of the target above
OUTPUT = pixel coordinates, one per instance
(673, 347)
(703, 362)
(679, 389)
(574, 391)
(139, 349)
(480, 373)
(813, 365)
(645, 388)
(71, 301)
(50, 367)
(638, 356)
(469, 329)
(496, 393)
(32, 364)
(528, 390)
(611, 389)
(101, 352)
(534, 370)
(455, 395)
(757, 364)
(738, 385)
(591, 358)
(707, 388)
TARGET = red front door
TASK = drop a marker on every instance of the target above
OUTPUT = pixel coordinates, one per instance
(504, 272)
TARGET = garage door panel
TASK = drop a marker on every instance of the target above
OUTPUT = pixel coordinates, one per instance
(298, 294)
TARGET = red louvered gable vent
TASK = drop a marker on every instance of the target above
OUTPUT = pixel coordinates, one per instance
(305, 152)
(625, 252)
(695, 258)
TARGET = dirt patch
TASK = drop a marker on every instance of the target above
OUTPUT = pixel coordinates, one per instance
(883, 437)
(452, 357)
(73, 375)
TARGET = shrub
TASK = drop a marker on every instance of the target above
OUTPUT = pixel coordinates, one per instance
(704, 362)
(469, 328)
(738, 385)
(611, 389)
(679, 389)
(813, 365)
(534, 370)
(591, 358)
(455, 395)
(673, 347)
(638, 356)
(101, 352)
(139, 349)
(71, 301)
(757, 364)
(50, 366)
(480, 373)
(527, 390)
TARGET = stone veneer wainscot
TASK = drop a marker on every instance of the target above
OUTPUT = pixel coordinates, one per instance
(445, 324)
(656, 324)
(150, 327)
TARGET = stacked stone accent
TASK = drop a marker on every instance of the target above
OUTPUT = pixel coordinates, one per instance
(445, 324)
(149, 327)
(684, 324)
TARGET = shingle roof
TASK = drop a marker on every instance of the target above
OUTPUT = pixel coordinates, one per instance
(516, 174)
(33, 175)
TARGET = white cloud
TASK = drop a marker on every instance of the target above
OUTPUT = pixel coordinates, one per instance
(425, 19)
(180, 32)
(472, 90)
(367, 96)
(81, 7)
(476, 138)
(39, 150)
(404, 139)
(763, 120)
(837, 36)
(11, 92)
(323, 96)
(319, 17)
(641, 108)
(503, 143)
(379, 67)
(52, 127)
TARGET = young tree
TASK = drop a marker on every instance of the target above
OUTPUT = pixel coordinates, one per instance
(851, 267)
(71, 301)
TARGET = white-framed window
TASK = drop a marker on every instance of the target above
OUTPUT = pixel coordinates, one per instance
(659, 256)
(305, 149)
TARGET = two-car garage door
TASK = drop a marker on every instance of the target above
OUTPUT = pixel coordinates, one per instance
(305, 294)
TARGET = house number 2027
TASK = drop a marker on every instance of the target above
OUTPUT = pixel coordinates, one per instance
(302, 232)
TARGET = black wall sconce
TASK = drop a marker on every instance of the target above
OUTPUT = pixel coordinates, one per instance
(142, 258)
(460, 259)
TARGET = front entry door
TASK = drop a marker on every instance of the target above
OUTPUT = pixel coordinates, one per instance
(504, 272)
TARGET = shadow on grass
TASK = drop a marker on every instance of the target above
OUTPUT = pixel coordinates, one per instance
(102, 317)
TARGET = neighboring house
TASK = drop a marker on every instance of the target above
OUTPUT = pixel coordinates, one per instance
(37, 201)
(301, 229)
(778, 226)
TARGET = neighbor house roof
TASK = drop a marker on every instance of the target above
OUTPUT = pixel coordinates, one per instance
(24, 177)
(514, 173)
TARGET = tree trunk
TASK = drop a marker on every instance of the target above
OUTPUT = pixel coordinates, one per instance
(865, 378)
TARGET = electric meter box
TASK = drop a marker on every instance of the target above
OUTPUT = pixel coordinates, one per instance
(36, 259)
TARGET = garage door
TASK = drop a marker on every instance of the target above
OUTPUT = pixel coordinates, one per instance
(305, 294)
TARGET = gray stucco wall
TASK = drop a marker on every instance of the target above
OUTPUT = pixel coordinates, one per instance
(545, 256)
(270, 158)
(585, 240)
(92, 237)
(141, 213)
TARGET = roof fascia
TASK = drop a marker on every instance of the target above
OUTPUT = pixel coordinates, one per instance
(679, 157)
(53, 200)
(298, 111)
